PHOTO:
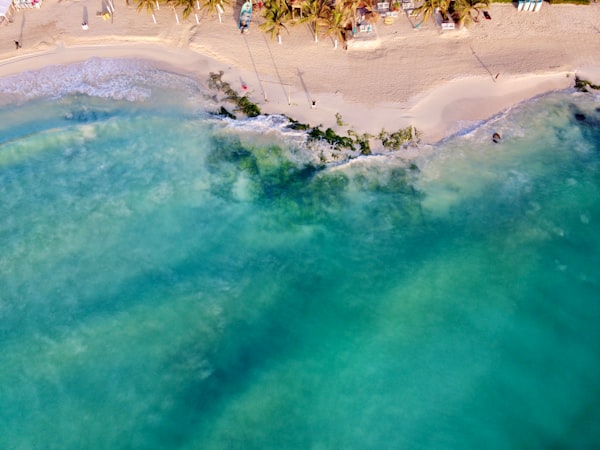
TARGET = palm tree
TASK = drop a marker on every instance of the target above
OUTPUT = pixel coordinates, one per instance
(210, 6)
(467, 11)
(148, 5)
(188, 7)
(339, 19)
(428, 8)
(316, 12)
(276, 14)
(352, 5)
(173, 4)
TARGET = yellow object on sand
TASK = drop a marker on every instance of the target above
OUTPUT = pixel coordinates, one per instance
(388, 20)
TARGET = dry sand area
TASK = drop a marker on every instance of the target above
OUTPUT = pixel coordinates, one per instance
(438, 81)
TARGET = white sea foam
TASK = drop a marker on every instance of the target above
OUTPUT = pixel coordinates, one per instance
(267, 123)
(271, 129)
(118, 79)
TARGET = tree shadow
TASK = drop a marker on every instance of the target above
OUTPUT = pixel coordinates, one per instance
(281, 83)
(308, 97)
(483, 64)
(20, 41)
(255, 68)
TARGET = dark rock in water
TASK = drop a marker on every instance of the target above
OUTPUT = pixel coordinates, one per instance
(224, 112)
(580, 117)
(85, 115)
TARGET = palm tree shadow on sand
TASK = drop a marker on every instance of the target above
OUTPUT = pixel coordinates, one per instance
(308, 96)
(255, 68)
(483, 65)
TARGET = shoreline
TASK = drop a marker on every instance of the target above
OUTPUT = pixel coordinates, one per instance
(370, 89)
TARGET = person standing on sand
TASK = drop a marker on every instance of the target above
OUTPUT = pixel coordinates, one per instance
(17, 45)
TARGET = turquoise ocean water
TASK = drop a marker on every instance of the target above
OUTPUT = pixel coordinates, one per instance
(169, 280)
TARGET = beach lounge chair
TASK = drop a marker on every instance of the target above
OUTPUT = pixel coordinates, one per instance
(538, 5)
(521, 5)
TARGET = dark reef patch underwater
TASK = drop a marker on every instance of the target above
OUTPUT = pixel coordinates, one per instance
(168, 280)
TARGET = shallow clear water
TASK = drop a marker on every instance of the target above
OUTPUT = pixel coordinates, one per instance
(171, 281)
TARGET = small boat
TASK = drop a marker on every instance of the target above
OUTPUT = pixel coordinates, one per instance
(245, 17)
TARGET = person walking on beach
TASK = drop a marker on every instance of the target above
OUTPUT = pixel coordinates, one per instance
(17, 45)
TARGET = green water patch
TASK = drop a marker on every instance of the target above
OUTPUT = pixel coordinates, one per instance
(301, 190)
(168, 284)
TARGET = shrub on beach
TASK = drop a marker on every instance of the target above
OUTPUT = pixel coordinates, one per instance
(585, 85)
(244, 105)
(362, 140)
(331, 137)
(399, 139)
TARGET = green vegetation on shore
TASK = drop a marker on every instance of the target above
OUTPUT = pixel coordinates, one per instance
(585, 85)
(400, 138)
(243, 104)
(397, 140)
(353, 142)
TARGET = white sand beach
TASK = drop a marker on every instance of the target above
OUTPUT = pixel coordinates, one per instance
(438, 81)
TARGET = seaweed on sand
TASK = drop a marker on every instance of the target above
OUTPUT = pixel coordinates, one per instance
(399, 139)
(585, 85)
(243, 104)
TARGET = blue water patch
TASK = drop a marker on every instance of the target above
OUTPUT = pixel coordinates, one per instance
(168, 281)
